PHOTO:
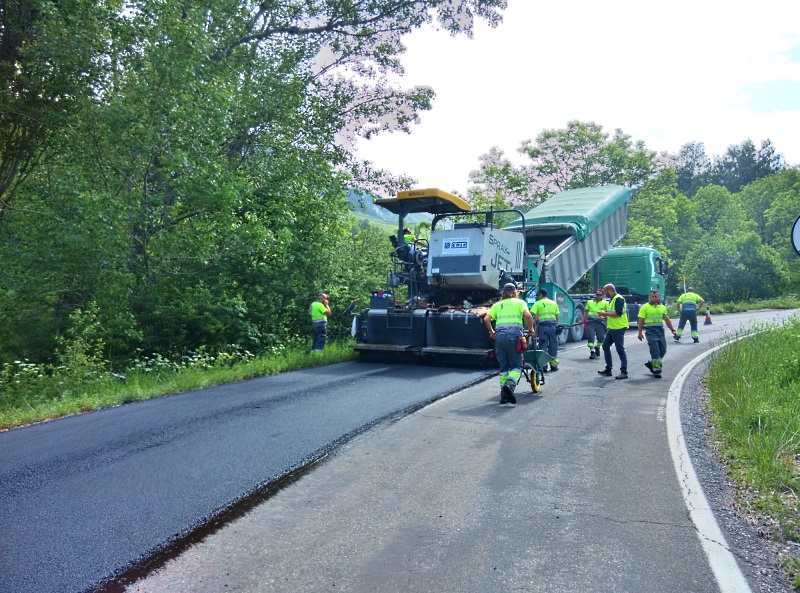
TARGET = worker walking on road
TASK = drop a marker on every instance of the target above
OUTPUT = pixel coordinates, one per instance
(510, 316)
(688, 304)
(545, 313)
(652, 317)
(595, 325)
(617, 318)
(320, 310)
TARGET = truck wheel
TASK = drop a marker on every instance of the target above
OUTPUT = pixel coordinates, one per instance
(576, 331)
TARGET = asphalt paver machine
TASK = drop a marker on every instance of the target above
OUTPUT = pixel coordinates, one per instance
(438, 290)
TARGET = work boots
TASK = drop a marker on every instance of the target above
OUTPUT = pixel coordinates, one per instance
(592, 355)
(597, 351)
(507, 392)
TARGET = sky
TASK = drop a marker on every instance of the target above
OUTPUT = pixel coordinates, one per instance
(667, 73)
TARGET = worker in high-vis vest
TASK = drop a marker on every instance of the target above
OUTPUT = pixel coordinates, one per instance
(688, 304)
(594, 324)
(510, 316)
(545, 313)
(652, 317)
(616, 325)
(320, 310)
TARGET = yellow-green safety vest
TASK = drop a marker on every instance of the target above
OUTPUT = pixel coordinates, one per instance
(618, 322)
(546, 309)
(689, 301)
(653, 315)
(593, 307)
(317, 311)
(508, 312)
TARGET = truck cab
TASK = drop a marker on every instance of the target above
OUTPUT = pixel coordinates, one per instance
(634, 271)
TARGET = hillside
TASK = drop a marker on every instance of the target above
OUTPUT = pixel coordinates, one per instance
(362, 205)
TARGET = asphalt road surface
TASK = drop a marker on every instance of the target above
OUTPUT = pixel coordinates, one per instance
(83, 498)
(571, 490)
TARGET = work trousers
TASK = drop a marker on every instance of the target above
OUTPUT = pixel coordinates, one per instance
(595, 331)
(319, 332)
(691, 317)
(658, 346)
(616, 337)
(548, 340)
(510, 361)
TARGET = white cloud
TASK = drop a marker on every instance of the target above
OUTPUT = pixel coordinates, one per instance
(664, 72)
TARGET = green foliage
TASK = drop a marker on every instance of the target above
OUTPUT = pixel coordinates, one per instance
(32, 392)
(651, 214)
(51, 58)
(753, 385)
(583, 155)
(739, 166)
(735, 268)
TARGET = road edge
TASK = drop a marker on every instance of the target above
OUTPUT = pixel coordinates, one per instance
(723, 563)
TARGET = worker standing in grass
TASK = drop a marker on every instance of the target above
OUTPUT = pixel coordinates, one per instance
(617, 319)
(320, 311)
(595, 325)
(510, 316)
(545, 312)
(688, 304)
(652, 317)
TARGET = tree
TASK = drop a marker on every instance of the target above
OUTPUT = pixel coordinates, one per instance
(744, 164)
(497, 176)
(691, 166)
(51, 57)
(734, 268)
(197, 193)
(582, 155)
(651, 213)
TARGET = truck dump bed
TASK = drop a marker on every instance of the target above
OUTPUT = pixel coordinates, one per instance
(576, 227)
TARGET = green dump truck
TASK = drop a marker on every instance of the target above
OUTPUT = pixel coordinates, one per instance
(574, 233)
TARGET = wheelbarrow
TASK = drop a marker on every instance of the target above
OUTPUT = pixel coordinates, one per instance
(534, 363)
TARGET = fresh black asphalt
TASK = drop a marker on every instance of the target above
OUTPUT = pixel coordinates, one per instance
(84, 498)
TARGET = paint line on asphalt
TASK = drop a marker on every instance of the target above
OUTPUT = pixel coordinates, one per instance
(722, 561)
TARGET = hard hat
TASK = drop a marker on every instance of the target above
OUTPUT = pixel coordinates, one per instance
(690, 289)
(509, 286)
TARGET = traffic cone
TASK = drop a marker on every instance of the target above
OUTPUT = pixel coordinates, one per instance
(708, 317)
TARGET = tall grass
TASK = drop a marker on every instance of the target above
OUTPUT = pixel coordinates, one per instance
(754, 405)
(34, 392)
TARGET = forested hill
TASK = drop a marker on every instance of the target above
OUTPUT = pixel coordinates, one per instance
(363, 203)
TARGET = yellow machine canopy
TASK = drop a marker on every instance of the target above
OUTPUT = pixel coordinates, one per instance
(432, 200)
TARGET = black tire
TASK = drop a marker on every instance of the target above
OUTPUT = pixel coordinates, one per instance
(576, 331)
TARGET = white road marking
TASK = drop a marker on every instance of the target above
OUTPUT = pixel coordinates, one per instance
(722, 561)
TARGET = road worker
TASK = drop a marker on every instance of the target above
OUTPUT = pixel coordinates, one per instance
(545, 312)
(688, 304)
(320, 310)
(510, 315)
(595, 325)
(652, 317)
(617, 324)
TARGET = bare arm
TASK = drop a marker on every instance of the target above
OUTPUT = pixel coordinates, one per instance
(487, 321)
(528, 321)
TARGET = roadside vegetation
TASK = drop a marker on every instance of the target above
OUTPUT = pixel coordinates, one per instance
(754, 409)
(81, 382)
